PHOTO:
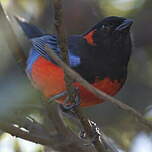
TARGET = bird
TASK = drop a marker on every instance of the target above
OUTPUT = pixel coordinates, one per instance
(100, 55)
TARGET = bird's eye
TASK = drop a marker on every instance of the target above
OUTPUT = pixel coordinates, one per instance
(105, 27)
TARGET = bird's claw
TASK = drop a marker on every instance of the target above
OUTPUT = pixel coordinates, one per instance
(66, 106)
(76, 103)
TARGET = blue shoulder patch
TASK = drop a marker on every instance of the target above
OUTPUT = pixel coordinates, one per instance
(74, 60)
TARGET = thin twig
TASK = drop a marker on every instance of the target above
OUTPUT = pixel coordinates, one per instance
(100, 94)
(62, 39)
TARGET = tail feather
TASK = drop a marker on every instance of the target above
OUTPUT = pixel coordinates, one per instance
(31, 31)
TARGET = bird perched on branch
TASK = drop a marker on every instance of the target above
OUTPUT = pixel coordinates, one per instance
(99, 55)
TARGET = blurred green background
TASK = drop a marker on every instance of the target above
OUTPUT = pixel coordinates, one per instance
(16, 92)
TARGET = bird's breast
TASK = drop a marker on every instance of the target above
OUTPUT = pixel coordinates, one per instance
(49, 78)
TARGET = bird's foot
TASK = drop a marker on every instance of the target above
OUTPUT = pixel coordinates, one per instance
(66, 106)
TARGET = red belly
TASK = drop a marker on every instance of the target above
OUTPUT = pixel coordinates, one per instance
(49, 78)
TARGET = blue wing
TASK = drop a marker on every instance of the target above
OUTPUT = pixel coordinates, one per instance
(40, 40)
(39, 44)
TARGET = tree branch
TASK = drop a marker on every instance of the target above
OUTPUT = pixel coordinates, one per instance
(62, 39)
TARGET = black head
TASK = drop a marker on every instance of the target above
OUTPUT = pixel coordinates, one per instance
(110, 28)
(114, 23)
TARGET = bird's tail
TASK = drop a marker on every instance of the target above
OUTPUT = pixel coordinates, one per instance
(31, 31)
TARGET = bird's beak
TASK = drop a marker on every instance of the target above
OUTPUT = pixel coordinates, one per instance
(126, 24)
